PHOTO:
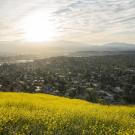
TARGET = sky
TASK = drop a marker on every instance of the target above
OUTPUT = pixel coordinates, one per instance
(84, 21)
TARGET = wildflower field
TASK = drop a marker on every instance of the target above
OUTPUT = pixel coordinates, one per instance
(42, 114)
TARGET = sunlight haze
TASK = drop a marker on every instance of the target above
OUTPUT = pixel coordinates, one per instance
(87, 21)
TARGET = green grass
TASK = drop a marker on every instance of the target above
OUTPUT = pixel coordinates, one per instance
(38, 114)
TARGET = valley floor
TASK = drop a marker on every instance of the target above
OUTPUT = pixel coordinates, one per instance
(38, 114)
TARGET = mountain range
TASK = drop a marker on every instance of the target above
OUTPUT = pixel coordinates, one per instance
(59, 48)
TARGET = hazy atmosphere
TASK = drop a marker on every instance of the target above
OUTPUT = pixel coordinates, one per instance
(84, 21)
(67, 67)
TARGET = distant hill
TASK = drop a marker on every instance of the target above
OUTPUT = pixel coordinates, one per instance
(107, 49)
(58, 48)
(99, 53)
(118, 47)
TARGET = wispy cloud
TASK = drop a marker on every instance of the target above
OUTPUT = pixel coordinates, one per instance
(76, 18)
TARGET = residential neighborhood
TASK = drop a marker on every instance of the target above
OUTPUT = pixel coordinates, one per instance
(97, 79)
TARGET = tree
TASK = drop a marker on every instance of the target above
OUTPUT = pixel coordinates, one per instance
(91, 95)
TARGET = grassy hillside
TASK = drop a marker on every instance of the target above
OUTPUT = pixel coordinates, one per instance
(38, 114)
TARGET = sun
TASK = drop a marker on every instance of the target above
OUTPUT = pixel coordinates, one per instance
(38, 28)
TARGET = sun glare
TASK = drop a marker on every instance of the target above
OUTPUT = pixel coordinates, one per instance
(38, 28)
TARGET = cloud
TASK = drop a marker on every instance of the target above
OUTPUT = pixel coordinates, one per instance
(76, 17)
(100, 14)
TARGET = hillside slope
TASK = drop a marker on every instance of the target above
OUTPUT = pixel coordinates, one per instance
(38, 114)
